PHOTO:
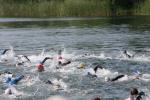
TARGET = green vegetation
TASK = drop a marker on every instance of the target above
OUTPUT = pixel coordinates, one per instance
(64, 8)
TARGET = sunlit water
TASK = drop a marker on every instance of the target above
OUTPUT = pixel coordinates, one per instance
(102, 39)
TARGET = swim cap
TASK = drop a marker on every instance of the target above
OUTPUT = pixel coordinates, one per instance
(134, 91)
(40, 67)
(107, 79)
(96, 98)
(49, 82)
(142, 93)
(8, 91)
(60, 57)
(82, 65)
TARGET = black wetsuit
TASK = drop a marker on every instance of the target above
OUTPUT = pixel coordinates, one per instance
(64, 64)
(118, 77)
(127, 55)
(91, 75)
(45, 60)
(96, 68)
(22, 62)
(27, 58)
(49, 82)
(4, 52)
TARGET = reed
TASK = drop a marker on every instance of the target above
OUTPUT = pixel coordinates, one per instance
(73, 8)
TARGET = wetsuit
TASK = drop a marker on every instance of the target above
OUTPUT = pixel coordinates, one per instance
(96, 68)
(127, 55)
(118, 77)
(27, 58)
(65, 63)
(91, 75)
(13, 81)
(4, 52)
(49, 82)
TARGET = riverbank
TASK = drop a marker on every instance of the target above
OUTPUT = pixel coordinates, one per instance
(73, 8)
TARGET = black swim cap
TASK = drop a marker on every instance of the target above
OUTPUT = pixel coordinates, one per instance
(96, 98)
(142, 93)
(134, 91)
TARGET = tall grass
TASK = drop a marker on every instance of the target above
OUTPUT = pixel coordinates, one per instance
(61, 8)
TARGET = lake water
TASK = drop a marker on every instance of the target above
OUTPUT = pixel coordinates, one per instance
(103, 39)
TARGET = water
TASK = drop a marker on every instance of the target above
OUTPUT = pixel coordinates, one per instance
(103, 39)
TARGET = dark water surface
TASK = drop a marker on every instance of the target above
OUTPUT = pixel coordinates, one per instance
(95, 36)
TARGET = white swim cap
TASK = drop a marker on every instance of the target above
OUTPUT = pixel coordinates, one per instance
(8, 91)
(107, 79)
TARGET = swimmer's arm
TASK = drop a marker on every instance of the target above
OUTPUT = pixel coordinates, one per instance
(134, 78)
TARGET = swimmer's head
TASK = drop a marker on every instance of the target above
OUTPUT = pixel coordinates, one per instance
(134, 91)
(48, 82)
(142, 93)
(96, 98)
(59, 62)
(82, 66)
(8, 91)
(60, 57)
(125, 51)
(40, 67)
(107, 79)
(22, 76)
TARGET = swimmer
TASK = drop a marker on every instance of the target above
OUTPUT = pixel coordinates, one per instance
(137, 75)
(5, 51)
(7, 56)
(13, 80)
(51, 83)
(96, 98)
(12, 92)
(40, 66)
(135, 94)
(97, 67)
(61, 60)
(81, 66)
(27, 58)
(57, 84)
(64, 63)
(94, 72)
(91, 75)
(115, 78)
(126, 54)
(8, 91)
(22, 59)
